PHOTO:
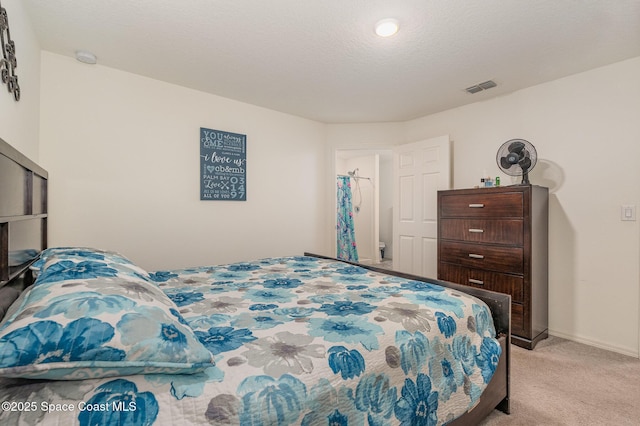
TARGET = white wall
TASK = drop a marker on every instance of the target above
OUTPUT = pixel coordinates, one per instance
(19, 120)
(587, 134)
(122, 152)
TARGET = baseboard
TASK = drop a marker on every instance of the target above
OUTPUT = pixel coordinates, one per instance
(595, 343)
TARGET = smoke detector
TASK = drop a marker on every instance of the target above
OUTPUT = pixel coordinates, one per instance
(86, 57)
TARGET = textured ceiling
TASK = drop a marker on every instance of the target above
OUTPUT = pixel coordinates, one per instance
(321, 59)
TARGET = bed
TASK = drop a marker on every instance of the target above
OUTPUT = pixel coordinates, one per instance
(91, 338)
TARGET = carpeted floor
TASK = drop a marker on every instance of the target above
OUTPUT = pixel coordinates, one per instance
(562, 382)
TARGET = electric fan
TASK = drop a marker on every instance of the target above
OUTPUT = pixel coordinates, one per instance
(516, 157)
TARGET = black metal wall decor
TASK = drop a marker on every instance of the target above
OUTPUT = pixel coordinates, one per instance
(8, 62)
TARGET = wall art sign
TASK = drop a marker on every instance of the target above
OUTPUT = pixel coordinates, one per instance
(8, 62)
(223, 165)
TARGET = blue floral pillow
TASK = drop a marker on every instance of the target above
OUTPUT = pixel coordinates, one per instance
(89, 319)
(52, 256)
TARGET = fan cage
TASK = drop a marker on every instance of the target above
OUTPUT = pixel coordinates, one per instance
(516, 169)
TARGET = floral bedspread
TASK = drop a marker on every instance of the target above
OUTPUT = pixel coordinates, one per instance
(296, 340)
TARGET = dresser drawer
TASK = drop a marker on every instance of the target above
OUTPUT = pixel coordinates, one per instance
(493, 258)
(482, 205)
(494, 281)
(496, 231)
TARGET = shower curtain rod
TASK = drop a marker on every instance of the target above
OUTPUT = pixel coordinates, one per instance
(354, 177)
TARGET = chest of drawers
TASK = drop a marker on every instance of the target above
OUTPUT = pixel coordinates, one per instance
(497, 239)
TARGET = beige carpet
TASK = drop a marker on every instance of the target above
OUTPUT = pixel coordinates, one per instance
(562, 382)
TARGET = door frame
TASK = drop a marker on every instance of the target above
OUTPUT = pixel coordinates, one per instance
(332, 172)
(331, 192)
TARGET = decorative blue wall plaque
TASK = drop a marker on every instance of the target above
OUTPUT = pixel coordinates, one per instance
(223, 165)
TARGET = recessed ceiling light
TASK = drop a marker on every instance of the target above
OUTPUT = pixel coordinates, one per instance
(86, 57)
(387, 27)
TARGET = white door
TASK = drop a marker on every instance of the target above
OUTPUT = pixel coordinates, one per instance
(420, 169)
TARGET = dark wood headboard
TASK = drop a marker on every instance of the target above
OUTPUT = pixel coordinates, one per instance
(23, 212)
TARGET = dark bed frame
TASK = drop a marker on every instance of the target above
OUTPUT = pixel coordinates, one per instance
(23, 225)
(23, 213)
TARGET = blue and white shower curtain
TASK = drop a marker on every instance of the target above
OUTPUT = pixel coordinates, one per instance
(347, 249)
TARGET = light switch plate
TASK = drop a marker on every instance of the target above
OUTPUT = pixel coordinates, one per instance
(628, 212)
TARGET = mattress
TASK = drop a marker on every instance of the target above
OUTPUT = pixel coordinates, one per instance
(292, 340)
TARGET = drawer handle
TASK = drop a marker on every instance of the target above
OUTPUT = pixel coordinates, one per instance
(472, 281)
(477, 231)
(476, 256)
(476, 206)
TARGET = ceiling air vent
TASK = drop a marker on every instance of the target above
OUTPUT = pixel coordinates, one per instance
(481, 86)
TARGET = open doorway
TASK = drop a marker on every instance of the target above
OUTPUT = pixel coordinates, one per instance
(371, 177)
(404, 199)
